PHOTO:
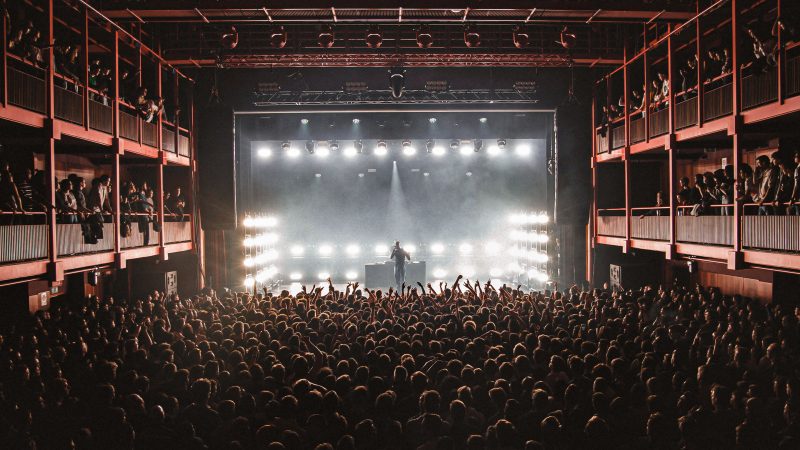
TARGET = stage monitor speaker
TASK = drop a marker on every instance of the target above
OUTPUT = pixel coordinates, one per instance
(216, 161)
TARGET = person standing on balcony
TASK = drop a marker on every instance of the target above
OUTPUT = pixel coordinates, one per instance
(794, 201)
(664, 82)
(66, 205)
(783, 196)
(767, 182)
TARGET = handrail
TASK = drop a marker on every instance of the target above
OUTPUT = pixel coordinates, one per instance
(11, 213)
(725, 205)
(648, 208)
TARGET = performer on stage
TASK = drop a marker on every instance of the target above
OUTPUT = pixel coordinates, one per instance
(399, 256)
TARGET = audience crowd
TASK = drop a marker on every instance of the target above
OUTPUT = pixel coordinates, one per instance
(467, 366)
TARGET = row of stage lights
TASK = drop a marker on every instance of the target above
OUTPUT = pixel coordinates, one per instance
(323, 149)
(438, 273)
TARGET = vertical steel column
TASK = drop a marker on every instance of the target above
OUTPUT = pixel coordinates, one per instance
(672, 201)
(159, 123)
(646, 94)
(50, 158)
(160, 206)
(85, 60)
(50, 170)
(735, 257)
(5, 60)
(115, 198)
(626, 160)
(115, 111)
(781, 59)
(176, 85)
(50, 64)
(625, 96)
(699, 70)
(671, 82)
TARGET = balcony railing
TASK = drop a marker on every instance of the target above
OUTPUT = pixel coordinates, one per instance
(183, 144)
(602, 142)
(637, 130)
(101, 117)
(26, 89)
(759, 89)
(659, 122)
(650, 223)
(611, 222)
(793, 76)
(142, 232)
(718, 102)
(178, 231)
(168, 138)
(22, 242)
(618, 136)
(686, 113)
(69, 103)
(771, 233)
(70, 239)
(128, 125)
(150, 134)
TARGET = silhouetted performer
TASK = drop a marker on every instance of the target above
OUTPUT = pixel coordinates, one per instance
(399, 256)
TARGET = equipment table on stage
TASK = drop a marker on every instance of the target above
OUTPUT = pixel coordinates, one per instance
(381, 275)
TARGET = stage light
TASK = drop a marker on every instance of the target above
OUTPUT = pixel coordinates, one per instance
(465, 248)
(318, 175)
(477, 145)
(304, 121)
(293, 152)
(410, 248)
(350, 152)
(520, 37)
(381, 149)
(325, 39)
(408, 149)
(483, 120)
(424, 37)
(359, 146)
(260, 222)
(322, 276)
(325, 250)
(323, 150)
(356, 121)
(230, 39)
(495, 272)
(491, 248)
(501, 144)
(542, 218)
(471, 36)
(438, 151)
(264, 152)
(249, 262)
(249, 281)
(260, 240)
(374, 39)
(426, 174)
(278, 37)
(493, 150)
(295, 276)
(361, 175)
(523, 150)
(469, 174)
(437, 248)
(351, 275)
(439, 273)
(381, 250)
(432, 120)
(297, 250)
(310, 147)
(465, 149)
(353, 250)
(333, 145)
(397, 81)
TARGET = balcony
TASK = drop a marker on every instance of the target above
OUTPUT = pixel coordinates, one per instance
(68, 102)
(178, 231)
(650, 223)
(659, 122)
(618, 135)
(718, 99)
(638, 130)
(611, 222)
(685, 112)
(22, 238)
(775, 233)
(759, 89)
(26, 87)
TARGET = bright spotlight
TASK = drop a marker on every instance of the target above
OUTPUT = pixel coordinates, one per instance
(437, 248)
(439, 273)
(264, 152)
(411, 248)
(496, 272)
(351, 275)
(293, 152)
(465, 248)
(249, 281)
(322, 276)
(295, 276)
(356, 121)
(466, 149)
(491, 248)
(353, 250)
(438, 151)
(325, 250)
(350, 152)
(523, 150)
(483, 120)
(323, 150)
(408, 149)
(381, 149)
(493, 150)
(543, 277)
(249, 262)
(297, 250)
(432, 120)
(259, 222)
(381, 249)
(304, 121)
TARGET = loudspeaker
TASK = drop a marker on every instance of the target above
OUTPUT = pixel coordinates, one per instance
(216, 161)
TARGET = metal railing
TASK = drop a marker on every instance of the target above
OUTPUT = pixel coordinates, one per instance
(26, 90)
(686, 113)
(759, 89)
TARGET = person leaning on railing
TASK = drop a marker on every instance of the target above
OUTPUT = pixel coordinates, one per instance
(794, 200)
(656, 211)
(66, 205)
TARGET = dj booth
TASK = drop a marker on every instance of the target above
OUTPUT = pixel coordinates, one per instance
(381, 275)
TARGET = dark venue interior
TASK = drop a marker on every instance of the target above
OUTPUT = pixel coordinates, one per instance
(430, 225)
